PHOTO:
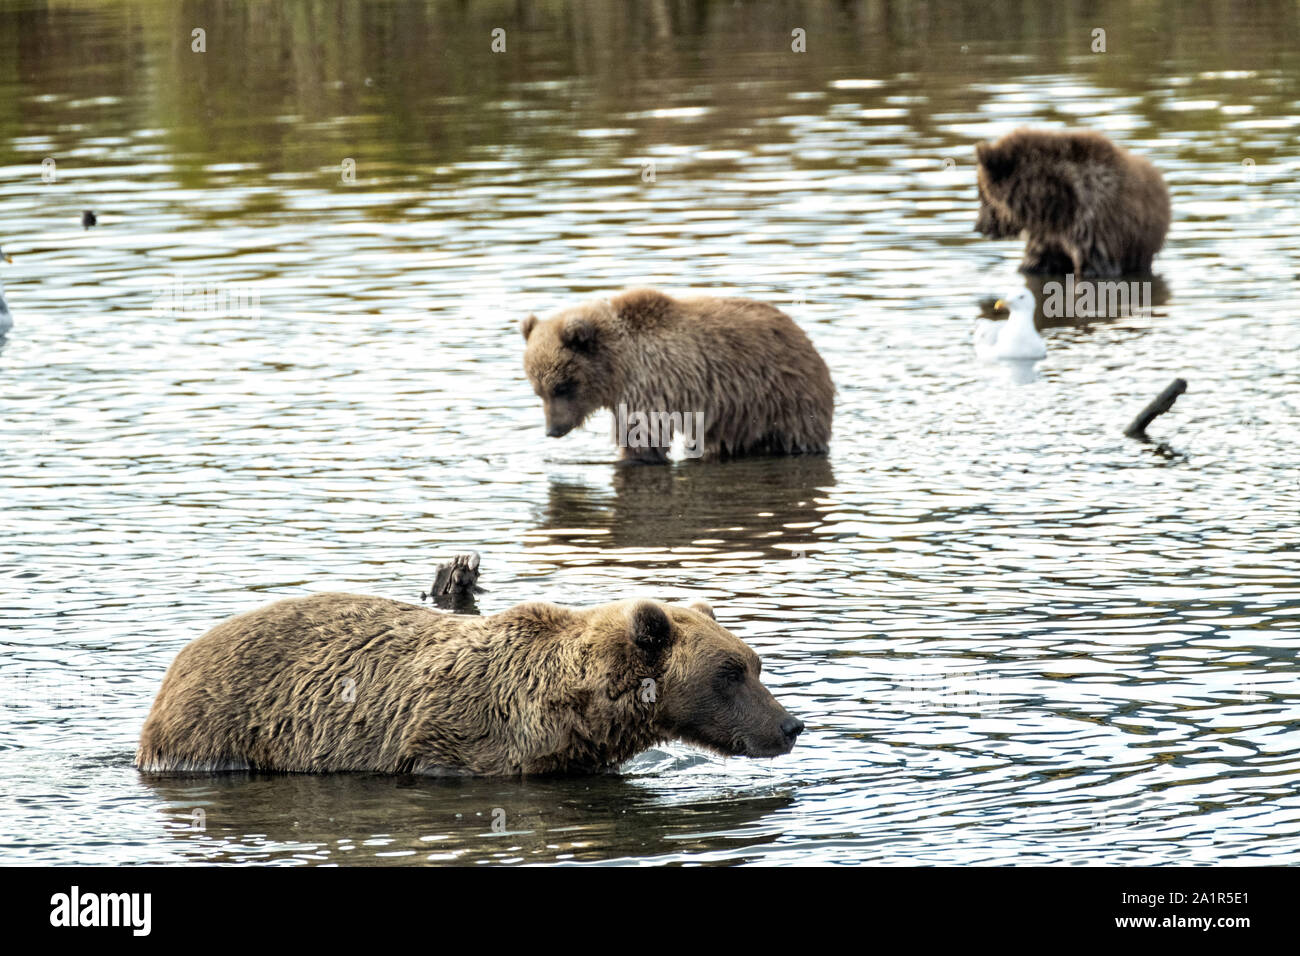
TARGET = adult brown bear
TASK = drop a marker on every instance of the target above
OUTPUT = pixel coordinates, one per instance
(339, 682)
(1084, 205)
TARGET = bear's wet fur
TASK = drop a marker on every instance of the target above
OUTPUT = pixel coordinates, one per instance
(744, 366)
(1084, 205)
(343, 682)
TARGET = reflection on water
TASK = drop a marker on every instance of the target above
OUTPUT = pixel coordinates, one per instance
(1017, 371)
(773, 509)
(359, 819)
(1014, 634)
(1060, 301)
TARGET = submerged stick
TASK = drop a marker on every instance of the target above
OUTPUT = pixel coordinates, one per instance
(1161, 404)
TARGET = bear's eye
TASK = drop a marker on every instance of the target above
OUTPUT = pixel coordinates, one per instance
(564, 390)
(733, 673)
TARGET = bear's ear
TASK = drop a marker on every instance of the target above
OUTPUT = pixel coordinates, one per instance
(704, 609)
(651, 630)
(579, 334)
(998, 163)
(527, 326)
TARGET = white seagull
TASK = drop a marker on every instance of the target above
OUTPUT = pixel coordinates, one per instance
(1015, 338)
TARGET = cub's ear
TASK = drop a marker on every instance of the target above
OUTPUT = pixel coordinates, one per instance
(527, 326)
(998, 163)
(651, 630)
(704, 609)
(579, 334)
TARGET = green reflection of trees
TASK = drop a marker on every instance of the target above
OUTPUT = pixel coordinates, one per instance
(409, 87)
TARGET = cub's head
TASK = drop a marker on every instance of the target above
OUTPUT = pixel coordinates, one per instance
(707, 690)
(569, 362)
(1029, 180)
(995, 164)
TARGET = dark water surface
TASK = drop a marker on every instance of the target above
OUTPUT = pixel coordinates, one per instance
(1015, 635)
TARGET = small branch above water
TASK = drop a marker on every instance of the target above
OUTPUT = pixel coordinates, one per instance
(1161, 404)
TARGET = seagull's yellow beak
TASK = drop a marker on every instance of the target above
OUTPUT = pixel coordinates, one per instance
(8, 258)
(999, 305)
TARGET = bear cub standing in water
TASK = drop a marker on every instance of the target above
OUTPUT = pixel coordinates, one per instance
(1085, 205)
(340, 682)
(733, 376)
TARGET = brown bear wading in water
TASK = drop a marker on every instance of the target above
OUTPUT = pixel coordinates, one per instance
(1085, 205)
(739, 370)
(341, 682)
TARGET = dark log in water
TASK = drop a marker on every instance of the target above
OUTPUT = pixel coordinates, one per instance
(1161, 404)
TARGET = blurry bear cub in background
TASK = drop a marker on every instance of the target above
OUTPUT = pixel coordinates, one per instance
(1084, 205)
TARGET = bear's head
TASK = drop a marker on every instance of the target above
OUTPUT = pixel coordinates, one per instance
(1027, 181)
(570, 363)
(706, 689)
(995, 165)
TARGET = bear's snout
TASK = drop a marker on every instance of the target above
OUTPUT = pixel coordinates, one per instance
(562, 417)
(988, 224)
(780, 739)
(792, 727)
(783, 742)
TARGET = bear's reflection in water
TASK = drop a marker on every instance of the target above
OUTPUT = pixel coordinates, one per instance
(771, 506)
(1062, 302)
(366, 819)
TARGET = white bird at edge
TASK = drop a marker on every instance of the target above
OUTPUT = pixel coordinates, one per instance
(6, 318)
(1016, 338)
